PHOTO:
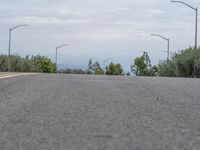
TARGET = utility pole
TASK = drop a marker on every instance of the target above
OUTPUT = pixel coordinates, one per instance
(56, 58)
(9, 44)
(168, 40)
(196, 20)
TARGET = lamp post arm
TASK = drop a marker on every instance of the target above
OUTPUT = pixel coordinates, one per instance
(160, 36)
(107, 60)
(56, 58)
(18, 26)
(196, 24)
(62, 46)
(168, 40)
(184, 4)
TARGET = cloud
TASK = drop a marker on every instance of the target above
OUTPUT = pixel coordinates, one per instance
(112, 34)
(44, 20)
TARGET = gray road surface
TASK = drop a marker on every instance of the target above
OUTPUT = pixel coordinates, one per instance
(71, 112)
(4, 75)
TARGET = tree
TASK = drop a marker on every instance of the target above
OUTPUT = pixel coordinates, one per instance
(114, 69)
(90, 67)
(33, 64)
(142, 66)
(139, 66)
(94, 68)
(97, 68)
(153, 71)
(43, 64)
(3, 63)
(185, 63)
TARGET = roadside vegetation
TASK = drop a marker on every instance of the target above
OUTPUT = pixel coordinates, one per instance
(142, 66)
(94, 68)
(184, 63)
(28, 64)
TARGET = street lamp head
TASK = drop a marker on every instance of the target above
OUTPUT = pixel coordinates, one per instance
(172, 1)
(158, 35)
(21, 25)
(154, 34)
(181, 2)
(65, 45)
(62, 46)
(108, 59)
(24, 25)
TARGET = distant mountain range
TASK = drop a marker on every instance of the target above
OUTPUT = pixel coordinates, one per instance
(64, 66)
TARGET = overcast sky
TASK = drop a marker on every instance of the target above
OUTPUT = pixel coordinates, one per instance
(97, 29)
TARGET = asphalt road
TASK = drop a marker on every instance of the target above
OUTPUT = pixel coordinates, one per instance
(71, 112)
(4, 75)
(7, 75)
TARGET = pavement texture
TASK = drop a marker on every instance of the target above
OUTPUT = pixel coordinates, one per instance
(4, 75)
(72, 112)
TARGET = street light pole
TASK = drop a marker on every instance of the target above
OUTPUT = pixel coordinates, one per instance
(104, 64)
(9, 44)
(196, 24)
(56, 59)
(168, 40)
(168, 49)
(196, 30)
